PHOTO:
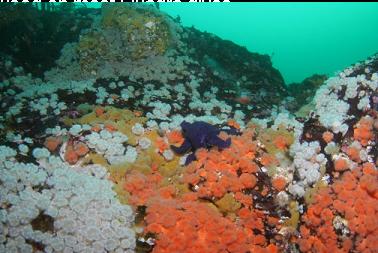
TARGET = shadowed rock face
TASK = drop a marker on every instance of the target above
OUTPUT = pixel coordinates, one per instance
(235, 63)
(235, 71)
(33, 39)
(304, 91)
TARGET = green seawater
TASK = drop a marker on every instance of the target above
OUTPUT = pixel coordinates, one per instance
(302, 38)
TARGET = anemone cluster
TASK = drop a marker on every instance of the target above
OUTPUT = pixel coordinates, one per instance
(88, 160)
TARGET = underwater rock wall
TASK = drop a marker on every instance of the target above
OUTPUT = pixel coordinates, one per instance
(87, 164)
(146, 46)
(32, 39)
(304, 92)
(230, 63)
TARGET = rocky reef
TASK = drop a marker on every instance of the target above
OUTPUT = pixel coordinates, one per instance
(88, 130)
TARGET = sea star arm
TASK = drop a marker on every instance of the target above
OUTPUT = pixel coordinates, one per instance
(216, 141)
(190, 158)
(183, 148)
